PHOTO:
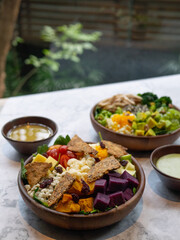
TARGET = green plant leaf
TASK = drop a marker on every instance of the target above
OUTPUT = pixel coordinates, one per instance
(16, 41)
(62, 141)
(42, 149)
(48, 34)
(23, 170)
(100, 136)
(134, 190)
(69, 42)
(33, 60)
(37, 199)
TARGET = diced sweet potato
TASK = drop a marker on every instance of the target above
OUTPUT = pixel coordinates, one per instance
(68, 207)
(77, 187)
(91, 187)
(86, 204)
(66, 197)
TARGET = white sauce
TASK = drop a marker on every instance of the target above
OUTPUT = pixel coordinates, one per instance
(170, 164)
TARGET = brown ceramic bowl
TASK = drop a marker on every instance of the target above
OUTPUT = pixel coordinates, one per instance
(80, 221)
(170, 182)
(137, 143)
(28, 147)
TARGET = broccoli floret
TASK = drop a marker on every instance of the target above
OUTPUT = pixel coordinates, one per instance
(163, 101)
(148, 97)
(97, 111)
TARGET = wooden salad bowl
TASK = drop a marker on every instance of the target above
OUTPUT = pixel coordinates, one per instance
(137, 143)
(80, 221)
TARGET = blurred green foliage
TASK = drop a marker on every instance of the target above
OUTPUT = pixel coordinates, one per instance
(67, 43)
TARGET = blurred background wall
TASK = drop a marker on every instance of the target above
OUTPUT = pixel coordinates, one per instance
(140, 38)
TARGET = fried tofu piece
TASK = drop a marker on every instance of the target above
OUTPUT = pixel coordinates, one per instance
(114, 149)
(102, 167)
(63, 186)
(36, 171)
(76, 144)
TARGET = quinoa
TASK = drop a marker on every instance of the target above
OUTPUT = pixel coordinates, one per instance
(43, 194)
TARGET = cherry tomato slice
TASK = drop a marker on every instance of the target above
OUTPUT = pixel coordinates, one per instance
(71, 154)
(63, 160)
(54, 153)
(79, 155)
(63, 149)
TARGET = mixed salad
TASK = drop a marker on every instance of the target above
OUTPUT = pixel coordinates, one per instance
(141, 115)
(73, 176)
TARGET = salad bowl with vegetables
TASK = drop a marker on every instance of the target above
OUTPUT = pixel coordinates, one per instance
(138, 122)
(78, 185)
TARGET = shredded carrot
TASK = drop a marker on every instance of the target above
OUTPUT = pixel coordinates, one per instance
(123, 119)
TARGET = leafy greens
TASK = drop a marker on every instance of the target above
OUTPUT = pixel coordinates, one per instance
(37, 199)
(23, 170)
(62, 140)
(42, 149)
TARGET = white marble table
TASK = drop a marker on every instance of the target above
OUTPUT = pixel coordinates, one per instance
(157, 215)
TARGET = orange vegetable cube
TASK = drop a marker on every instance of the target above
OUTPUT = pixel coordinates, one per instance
(68, 207)
(66, 197)
(76, 187)
(86, 204)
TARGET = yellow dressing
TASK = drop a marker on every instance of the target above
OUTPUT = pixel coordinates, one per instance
(29, 132)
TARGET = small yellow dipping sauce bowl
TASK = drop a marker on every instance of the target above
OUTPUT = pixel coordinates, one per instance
(26, 145)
